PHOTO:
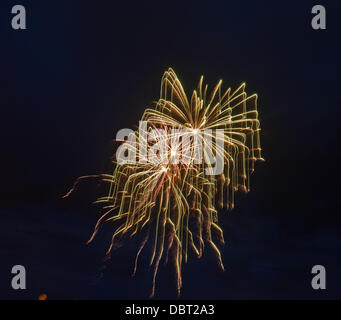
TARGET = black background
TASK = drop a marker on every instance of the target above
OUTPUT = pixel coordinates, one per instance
(85, 69)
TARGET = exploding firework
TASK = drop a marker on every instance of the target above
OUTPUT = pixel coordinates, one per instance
(165, 190)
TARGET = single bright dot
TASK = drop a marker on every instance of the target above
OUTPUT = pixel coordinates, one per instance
(195, 131)
(42, 297)
(173, 153)
(163, 169)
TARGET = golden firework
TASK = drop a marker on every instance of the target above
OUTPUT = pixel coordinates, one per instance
(166, 190)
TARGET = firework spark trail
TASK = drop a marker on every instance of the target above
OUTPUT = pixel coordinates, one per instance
(176, 202)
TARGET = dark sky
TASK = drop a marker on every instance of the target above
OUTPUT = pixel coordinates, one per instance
(85, 69)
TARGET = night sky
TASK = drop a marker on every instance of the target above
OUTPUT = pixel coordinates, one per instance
(85, 69)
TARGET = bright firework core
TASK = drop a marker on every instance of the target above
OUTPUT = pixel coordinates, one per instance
(174, 201)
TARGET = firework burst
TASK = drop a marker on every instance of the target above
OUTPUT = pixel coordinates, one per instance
(168, 192)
